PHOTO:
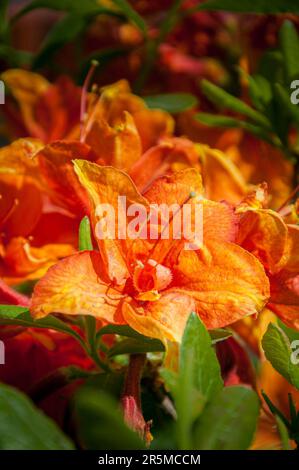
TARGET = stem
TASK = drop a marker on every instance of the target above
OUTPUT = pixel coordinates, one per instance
(131, 398)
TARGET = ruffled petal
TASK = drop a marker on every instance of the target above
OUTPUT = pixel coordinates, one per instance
(226, 282)
(76, 286)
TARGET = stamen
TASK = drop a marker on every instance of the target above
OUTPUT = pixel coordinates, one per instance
(83, 107)
(10, 210)
(289, 199)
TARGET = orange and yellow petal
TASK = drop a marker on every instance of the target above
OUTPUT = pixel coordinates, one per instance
(164, 318)
(76, 286)
(226, 282)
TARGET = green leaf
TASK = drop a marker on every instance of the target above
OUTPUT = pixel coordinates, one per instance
(285, 105)
(284, 435)
(12, 311)
(25, 427)
(289, 45)
(171, 102)
(228, 122)
(121, 330)
(229, 421)
(198, 360)
(249, 6)
(224, 100)
(64, 31)
(292, 334)
(4, 25)
(15, 58)
(278, 351)
(15, 315)
(133, 346)
(90, 7)
(85, 242)
(131, 14)
(199, 377)
(100, 422)
(219, 334)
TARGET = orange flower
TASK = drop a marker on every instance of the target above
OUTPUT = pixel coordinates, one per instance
(153, 285)
(52, 111)
(41, 109)
(276, 244)
(254, 161)
(26, 251)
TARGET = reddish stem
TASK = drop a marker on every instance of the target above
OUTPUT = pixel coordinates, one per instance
(131, 398)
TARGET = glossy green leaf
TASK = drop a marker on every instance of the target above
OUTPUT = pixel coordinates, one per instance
(25, 427)
(292, 334)
(219, 334)
(279, 352)
(249, 6)
(229, 421)
(100, 422)
(85, 241)
(12, 311)
(20, 316)
(198, 380)
(224, 100)
(198, 360)
(171, 102)
(289, 45)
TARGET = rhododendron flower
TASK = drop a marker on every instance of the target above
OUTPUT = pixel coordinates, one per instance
(276, 244)
(153, 285)
(41, 109)
(253, 160)
(30, 239)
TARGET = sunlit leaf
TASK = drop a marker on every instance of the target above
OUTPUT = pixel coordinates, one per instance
(85, 242)
(278, 351)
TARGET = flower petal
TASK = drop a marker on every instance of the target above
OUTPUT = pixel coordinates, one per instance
(56, 165)
(104, 185)
(76, 286)
(226, 282)
(264, 233)
(284, 299)
(164, 319)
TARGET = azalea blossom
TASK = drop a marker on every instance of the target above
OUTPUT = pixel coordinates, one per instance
(153, 286)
